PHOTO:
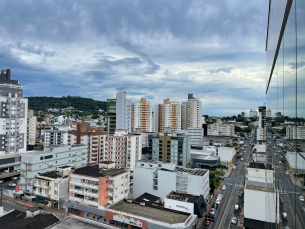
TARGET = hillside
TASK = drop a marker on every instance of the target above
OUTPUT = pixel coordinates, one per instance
(82, 104)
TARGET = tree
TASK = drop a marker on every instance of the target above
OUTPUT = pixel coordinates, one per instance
(238, 129)
(243, 114)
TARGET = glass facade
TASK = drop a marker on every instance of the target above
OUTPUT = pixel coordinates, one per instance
(285, 97)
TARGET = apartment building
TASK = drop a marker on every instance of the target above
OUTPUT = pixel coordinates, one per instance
(91, 136)
(191, 113)
(217, 129)
(123, 112)
(167, 114)
(98, 185)
(52, 187)
(122, 148)
(160, 179)
(170, 147)
(55, 137)
(253, 113)
(141, 116)
(31, 129)
(111, 116)
(263, 210)
(261, 130)
(295, 132)
(50, 159)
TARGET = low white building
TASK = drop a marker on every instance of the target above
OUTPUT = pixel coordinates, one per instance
(50, 159)
(196, 136)
(221, 129)
(295, 162)
(55, 137)
(53, 186)
(295, 132)
(226, 154)
(160, 179)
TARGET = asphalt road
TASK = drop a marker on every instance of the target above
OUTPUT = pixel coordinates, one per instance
(234, 183)
(292, 205)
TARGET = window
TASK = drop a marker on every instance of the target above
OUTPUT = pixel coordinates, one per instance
(41, 158)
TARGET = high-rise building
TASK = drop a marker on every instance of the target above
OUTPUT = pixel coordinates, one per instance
(167, 114)
(111, 116)
(31, 130)
(90, 136)
(261, 130)
(141, 116)
(253, 113)
(123, 112)
(191, 113)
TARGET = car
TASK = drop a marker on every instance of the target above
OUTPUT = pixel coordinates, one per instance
(280, 162)
(236, 208)
(219, 196)
(207, 223)
(234, 220)
(213, 211)
(11, 184)
(287, 173)
(281, 200)
(15, 178)
(240, 194)
(215, 206)
(224, 187)
(6, 171)
(301, 198)
(217, 201)
(234, 167)
(285, 216)
(236, 163)
(241, 159)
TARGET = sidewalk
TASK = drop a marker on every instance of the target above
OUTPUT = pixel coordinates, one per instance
(228, 171)
(294, 180)
(33, 204)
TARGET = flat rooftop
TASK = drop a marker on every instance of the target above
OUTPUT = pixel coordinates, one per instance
(95, 171)
(149, 212)
(260, 186)
(196, 172)
(257, 165)
(70, 222)
(183, 197)
(51, 174)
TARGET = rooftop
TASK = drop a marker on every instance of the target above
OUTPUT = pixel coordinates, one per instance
(196, 172)
(95, 171)
(70, 222)
(258, 165)
(260, 186)
(147, 198)
(64, 167)
(183, 197)
(51, 174)
(151, 212)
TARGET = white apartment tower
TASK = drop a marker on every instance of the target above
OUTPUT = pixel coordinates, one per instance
(31, 128)
(141, 116)
(13, 115)
(261, 131)
(166, 115)
(191, 113)
(123, 112)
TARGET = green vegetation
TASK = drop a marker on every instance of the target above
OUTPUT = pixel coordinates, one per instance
(82, 106)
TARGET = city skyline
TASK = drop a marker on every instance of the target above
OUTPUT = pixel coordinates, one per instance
(148, 49)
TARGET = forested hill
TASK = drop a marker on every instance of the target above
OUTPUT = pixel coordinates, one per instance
(82, 104)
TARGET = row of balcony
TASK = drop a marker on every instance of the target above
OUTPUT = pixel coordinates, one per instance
(77, 191)
(80, 200)
(86, 185)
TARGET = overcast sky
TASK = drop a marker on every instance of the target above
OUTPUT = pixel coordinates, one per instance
(155, 49)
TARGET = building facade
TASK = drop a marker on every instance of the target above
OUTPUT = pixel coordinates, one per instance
(295, 132)
(160, 179)
(55, 137)
(111, 116)
(123, 112)
(31, 129)
(191, 113)
(50, 159)
(167, 114)
(261, 130)
(141, 116)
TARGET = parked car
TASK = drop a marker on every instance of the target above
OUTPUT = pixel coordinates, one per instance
(236, 208)
(218, 201)
(215, 206)
(234, 220)
(285, 216)
(213, 211)
(301, 198)
(11, 184)
(240, 194)
(6, 171)
(281, 200)
(234, 167)
(241, 159)
(207, 223)
(224, 187)
(287, 173)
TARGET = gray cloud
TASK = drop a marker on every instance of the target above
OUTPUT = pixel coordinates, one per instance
(224, 69)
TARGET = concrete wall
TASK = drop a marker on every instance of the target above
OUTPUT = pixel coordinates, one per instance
(226, 153)
(179, 205)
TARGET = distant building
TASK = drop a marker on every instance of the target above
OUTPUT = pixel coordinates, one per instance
(160, 179)
(167, 114)
(90, 136)
(191, 113)
(261, 130)
(31, 129)
(123, 112)
(295, 132)
(170, 147)
(196, 136)
(141, 116)
(253, 113)
(111, 116)
(221, 129)
(50, 159)
(55, 137)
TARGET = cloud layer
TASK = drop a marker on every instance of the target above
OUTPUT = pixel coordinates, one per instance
(156, 49)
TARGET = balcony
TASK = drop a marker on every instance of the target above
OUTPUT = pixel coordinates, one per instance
(90, 202)
(76, 183)
(46, 187)
(77, 191)
(76, 199)
(110, 194)
(110, 185)
(86, 185)
(91, 194)
(110, 201)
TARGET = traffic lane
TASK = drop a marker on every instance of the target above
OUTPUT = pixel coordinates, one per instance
(222, 207)
(298, 210)
(10, 205)
(231, 213)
